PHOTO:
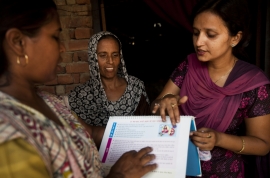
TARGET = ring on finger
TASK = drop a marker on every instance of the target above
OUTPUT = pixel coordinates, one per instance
(157, 104)
(209, 135)
(172, 105)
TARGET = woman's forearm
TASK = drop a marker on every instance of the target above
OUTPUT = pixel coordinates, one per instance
(248, 145)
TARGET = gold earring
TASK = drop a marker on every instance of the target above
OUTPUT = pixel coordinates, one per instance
(26, 59)
(18, 60)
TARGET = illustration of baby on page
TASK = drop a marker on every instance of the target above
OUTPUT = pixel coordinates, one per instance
(166, 130)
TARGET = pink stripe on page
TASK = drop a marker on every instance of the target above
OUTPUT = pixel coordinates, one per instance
(106, 150)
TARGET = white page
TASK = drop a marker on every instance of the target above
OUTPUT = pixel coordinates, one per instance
(125, 133)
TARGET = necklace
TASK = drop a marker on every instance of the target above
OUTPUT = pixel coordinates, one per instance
(226, 72)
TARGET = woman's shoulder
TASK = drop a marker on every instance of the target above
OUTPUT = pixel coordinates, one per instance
(243, 67)
(134, 80)
(246, 65)
(135, 84)
(13, 117)
(51, 97)
(43, 93)
(192, 56)
(89, 86)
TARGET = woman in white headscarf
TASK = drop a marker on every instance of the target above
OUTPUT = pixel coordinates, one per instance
(110, 90)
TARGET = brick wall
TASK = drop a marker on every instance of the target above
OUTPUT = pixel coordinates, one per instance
(76, 22)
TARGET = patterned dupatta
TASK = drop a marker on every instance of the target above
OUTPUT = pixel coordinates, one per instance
(66, 151)
(89, 100)
(213, 106)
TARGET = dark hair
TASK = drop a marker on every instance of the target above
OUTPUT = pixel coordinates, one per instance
(112, 37)
(26, 15)
(235, 14)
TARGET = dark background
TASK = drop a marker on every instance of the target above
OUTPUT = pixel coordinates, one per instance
(153, 47)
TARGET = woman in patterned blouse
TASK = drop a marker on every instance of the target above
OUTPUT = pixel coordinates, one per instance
(110, 90)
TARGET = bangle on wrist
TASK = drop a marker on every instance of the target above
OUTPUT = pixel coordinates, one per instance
(166, 95)
(243, 146)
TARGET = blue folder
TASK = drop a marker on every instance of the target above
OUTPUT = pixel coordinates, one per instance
(193, 160)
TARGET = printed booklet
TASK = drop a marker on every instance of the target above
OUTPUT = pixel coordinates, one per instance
(176, 155)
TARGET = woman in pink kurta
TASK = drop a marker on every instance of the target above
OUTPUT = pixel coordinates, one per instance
(228, 97)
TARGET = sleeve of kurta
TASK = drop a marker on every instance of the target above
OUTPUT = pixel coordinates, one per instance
(179, 73)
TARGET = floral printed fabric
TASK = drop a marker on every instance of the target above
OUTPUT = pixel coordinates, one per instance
(89, 101)
(225, 163)
(67, 150)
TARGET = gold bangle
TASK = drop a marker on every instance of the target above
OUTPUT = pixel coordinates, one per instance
(243, 146)
(166, 95)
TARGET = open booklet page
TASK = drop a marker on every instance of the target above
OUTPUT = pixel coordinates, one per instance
(170, 145)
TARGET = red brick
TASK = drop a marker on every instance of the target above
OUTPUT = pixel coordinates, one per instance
(62, 68)
(60, 2)
(81, 21)
(76, 45)
(70, 87)
(67, 8)
(65, 79)
(64, 13)
(85, 13)
(83, 1)
(78, 67)
(84, 77)
(65, 21)
(76, 78)
(60, 89)
(71, 33)
(66, 45)
(67, 57)
(80, 8)
(75, 57)
(71, 1)
(74, 8)
(50, 89)
(64, 35)
(81, 33)
(82, 55)
(53, 82)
